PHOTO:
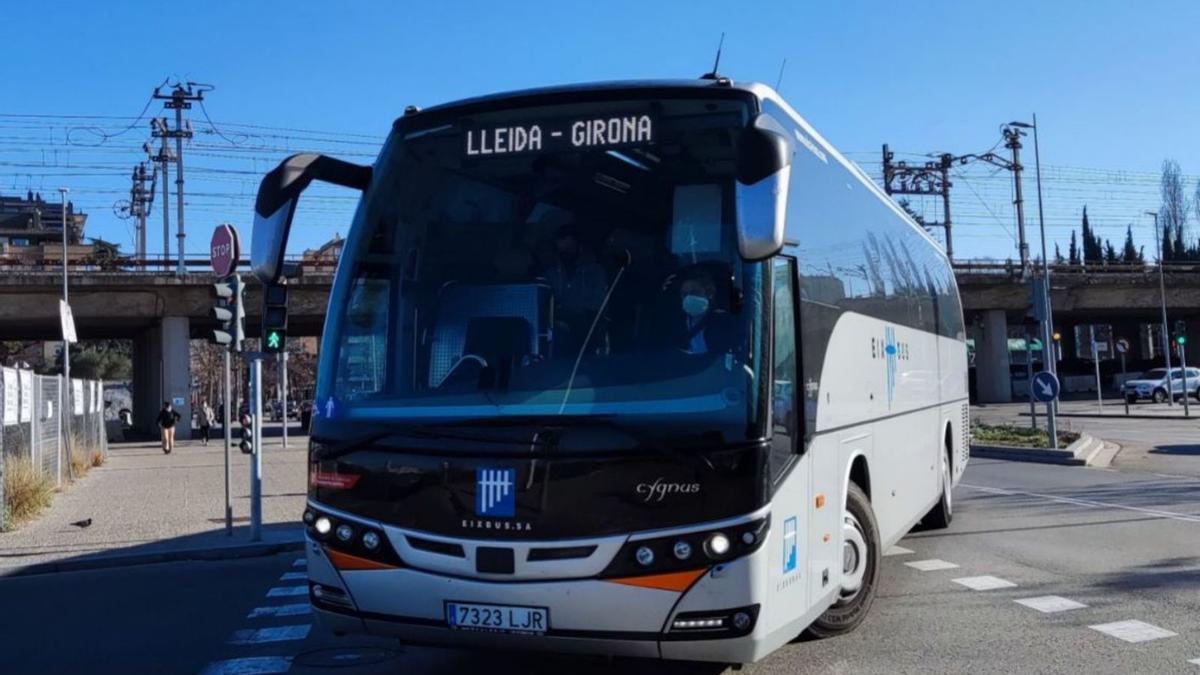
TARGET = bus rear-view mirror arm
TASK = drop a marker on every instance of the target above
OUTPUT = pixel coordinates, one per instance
(276, 204)
(764, 156)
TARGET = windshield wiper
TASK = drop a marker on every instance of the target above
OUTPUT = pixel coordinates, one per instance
(604, 421)
(420, 431)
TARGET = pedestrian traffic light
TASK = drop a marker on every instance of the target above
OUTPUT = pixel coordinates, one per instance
(275, 316)
(229, 313)
(247, 444)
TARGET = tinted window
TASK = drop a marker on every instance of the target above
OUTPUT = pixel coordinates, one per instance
(784, 419)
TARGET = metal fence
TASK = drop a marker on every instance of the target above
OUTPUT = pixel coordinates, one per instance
(36, 413)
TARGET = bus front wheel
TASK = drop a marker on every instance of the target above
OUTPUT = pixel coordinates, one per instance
(860, 569)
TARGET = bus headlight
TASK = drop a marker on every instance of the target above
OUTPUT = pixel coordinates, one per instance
(345, 532)
(717, 545)
(323, 526)
(645, 556)
(370, 541)
(682, 550)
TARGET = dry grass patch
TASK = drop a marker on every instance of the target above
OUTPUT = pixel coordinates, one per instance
(97, 458)
(27, 489)
(81, 461)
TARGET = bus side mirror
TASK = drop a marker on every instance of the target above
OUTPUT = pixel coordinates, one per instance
(276, 205)
(764, 156)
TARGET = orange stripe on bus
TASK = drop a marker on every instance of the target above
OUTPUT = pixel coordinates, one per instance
(671, 581)
(345, 561)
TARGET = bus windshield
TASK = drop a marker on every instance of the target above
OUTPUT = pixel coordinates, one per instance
(561, 261)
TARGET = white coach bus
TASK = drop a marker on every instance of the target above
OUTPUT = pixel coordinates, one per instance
(641, 369)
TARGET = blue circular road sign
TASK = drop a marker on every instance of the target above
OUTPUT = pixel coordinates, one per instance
(1044, 387)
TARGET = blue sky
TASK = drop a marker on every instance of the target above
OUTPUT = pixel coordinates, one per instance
(1113, 84)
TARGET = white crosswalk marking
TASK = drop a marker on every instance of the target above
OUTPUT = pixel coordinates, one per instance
(300, 576)
(984, 583)
(253, 636)
(897, 550)
(931, 565)
(1048, 604)
(255, 665)
(281, 610)
(1133, 631)
(287, 591)
(300, 562)
(1195, 661)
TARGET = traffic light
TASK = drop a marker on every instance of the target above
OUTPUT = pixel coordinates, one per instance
(229, 312)
(247, 444)
(275, 316)
(1180, 333)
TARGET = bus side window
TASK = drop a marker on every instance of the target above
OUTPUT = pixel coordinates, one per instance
(784, 421)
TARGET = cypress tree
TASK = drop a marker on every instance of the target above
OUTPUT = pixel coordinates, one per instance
(1130, 253)
(1073, 251)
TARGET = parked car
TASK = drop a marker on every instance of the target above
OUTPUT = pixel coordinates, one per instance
(1153, 385)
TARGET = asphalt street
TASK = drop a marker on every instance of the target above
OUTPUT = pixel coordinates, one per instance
(1046, 569)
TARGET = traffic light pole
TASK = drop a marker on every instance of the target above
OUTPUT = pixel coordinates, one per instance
(1183, 368)
(226, 427)
(283, 394)
(256, 456)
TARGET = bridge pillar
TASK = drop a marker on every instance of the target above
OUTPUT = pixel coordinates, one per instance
(993, 382)
(162, 372)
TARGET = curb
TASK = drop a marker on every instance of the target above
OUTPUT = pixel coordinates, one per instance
(1079, 453)
(255, 550)
(1117, 416)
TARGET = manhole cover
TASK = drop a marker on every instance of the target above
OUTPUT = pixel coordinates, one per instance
(344, 657)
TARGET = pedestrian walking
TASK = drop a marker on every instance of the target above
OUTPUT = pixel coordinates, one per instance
(207, 417)
(167, 417)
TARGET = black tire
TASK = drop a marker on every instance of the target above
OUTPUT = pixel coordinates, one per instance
(851, 609)
(1160, 395)
(942, 513)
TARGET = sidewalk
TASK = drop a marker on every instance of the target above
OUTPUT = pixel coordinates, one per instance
(1112, 408)
(149, 507)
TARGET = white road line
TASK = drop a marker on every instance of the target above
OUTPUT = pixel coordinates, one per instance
(300, 562)
(1195, 661)
(287, 591)
(1049, 604)
(1087, 502)
(931, 565)
(897, 550)
(294, 576)
(984, 583)
(281, 610)
(255, 665)
(253, 636)
(1133, 631)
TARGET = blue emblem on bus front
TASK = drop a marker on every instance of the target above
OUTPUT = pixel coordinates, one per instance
(495, 493)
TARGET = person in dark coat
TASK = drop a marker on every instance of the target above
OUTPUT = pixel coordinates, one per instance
(704, 329)
(167, 417)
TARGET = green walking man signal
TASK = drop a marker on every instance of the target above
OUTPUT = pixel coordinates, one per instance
(275, 316)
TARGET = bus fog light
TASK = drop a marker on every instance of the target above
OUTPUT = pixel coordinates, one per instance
(682, 550)
(717, 545)
(645, 556)
(371, 541)
(741, 621)
(323, 526)
(309, 517)
(345, 533)
(748, 538)
(699, 623)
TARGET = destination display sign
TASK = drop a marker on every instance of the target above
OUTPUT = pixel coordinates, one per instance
(559, 135)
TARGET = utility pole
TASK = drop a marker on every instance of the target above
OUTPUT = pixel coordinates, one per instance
(158, 129)
(1012, 141)
(1162, 293)
(140, 200)
(67, 408)
(179, 99)
(930, 178)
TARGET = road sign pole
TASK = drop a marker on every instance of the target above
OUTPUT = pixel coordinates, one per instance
(283, 393)
(226, 428)
(1029, 380)
(256, 414)
(1183, 367)
(1123, 378)
(1096, 361)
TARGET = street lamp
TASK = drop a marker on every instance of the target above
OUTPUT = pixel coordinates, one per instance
(1048, 360)
(1162, 293)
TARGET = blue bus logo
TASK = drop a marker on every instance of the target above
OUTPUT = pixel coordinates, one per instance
(494, 493)
(789, 545)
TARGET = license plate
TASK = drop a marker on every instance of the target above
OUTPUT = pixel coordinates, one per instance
(497, 618)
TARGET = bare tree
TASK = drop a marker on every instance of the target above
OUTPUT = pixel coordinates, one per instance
(1175, 209)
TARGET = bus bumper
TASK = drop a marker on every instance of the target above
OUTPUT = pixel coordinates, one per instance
(587, 616)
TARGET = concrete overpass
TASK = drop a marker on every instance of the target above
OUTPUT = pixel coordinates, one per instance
(159, 311)
(1127, 297)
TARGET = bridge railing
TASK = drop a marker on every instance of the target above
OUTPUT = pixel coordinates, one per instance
(150, 266)
(1012, 269)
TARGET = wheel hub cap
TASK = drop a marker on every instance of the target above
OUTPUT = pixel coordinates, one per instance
(854, 555)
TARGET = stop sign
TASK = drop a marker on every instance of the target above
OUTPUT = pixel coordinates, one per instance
(224, 250)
